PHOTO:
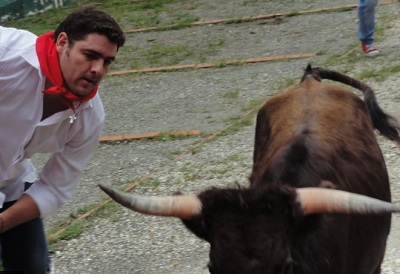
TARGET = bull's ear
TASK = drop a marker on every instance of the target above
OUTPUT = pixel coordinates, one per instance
(197, 226)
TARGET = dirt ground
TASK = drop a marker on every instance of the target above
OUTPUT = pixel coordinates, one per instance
(208, 100)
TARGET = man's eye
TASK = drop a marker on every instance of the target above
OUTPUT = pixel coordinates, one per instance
(91, 56)
(107, 62)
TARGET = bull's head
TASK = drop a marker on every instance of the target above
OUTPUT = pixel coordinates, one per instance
(249, 230)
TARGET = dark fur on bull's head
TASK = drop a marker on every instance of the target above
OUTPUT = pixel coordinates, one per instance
(249, 230)
(310, 134)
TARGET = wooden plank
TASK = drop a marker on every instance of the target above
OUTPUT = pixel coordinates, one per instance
(149, 135)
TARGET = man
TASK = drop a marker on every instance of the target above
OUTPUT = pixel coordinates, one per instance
(366, 26)
(48, 104)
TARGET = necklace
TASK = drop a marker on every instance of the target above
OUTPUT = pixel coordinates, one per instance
(72, 117)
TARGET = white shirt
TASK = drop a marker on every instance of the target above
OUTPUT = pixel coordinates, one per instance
(22, 134)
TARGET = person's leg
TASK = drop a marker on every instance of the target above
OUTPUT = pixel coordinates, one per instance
(366, 20)
(24, 248)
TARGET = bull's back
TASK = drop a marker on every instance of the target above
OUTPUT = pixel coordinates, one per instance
(328, 113)
(335, 132)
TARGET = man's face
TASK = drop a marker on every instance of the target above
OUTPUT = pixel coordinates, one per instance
(85, 63)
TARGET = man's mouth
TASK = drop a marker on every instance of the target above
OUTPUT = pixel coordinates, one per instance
(92, 81)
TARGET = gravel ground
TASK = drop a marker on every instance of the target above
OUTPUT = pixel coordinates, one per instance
(199, 99)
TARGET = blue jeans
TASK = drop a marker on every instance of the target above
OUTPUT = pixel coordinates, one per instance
(24, 248)
(366, 20)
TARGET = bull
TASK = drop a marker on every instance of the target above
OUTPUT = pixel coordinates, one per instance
(319, 197)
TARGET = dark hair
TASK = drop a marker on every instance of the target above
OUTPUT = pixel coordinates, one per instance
(89, 20)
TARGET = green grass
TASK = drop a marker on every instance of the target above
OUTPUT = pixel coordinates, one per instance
(233, 94)
(71, 231)
(380, 74)
(166, 54)
(150, 183)
(130, 14)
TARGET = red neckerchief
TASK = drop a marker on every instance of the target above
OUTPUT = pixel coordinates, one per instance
(48, 59)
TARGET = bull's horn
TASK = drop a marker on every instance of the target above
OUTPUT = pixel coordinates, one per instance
(181, 206)
(323, 200)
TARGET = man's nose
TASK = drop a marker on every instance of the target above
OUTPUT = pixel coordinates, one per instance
(97, 67)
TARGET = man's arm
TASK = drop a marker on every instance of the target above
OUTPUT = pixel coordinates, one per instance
(24, 210)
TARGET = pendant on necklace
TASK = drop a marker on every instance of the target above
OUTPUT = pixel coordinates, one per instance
(72, 118)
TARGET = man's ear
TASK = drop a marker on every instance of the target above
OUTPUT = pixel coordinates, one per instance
(62, 42)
